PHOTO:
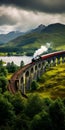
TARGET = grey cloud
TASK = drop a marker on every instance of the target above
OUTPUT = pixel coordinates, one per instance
(26, 23)
(15, 18)
(8, 16)
(50, 6)
(7, 20)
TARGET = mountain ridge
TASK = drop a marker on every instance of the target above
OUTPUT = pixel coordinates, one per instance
(29, 42)
(4, 38)
(54, 27)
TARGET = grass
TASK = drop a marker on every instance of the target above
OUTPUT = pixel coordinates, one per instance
(61, 47)
(9, 75)
(52, 83)
(3, 54)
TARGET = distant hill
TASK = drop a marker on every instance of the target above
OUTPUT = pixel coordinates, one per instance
(4, 38)
(29, 42)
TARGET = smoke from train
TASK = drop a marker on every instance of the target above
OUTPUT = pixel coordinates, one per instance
(41, 50)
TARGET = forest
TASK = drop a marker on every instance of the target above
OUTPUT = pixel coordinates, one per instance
(32, 113)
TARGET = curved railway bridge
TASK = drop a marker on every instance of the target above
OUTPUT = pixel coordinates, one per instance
(21, 80)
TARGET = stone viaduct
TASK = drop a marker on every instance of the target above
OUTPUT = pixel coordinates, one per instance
(21, 80)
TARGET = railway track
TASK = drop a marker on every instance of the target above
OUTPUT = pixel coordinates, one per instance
(11, 85)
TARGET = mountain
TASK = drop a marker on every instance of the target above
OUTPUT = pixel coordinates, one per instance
(54, 28)
(4, 38)
(39, 28)
(29, 42)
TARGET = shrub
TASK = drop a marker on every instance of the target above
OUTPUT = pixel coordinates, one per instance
(34, 85)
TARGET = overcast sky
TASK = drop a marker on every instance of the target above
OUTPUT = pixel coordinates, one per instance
(23, 15)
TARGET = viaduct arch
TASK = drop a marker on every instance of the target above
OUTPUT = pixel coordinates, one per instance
(21, 80)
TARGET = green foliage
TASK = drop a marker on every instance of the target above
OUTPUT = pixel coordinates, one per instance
(34, 85)
(41, 120)
(9, 96)
(3, 71)
(7, 115)
(46, 104)
(57, 113)
(9, 54)
(34, 113)
(34, 105)
(18, 103)
(21, 122)
(21, 64)
(3, 83)
(11, 67)
(1, 63)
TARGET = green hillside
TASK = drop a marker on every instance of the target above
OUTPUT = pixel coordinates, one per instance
(28, 43)
(52, 83)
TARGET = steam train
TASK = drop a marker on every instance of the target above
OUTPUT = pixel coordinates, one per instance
(37, 58)
(49, 55)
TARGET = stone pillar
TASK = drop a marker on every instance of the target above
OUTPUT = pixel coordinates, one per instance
(31, 75)
(58, 62)
(63, 59)
(49, 63)
(44, 66)
(27, 79)
(38, 73)
(41, 71)
(23, 87)
(54, 61)
(35, 71)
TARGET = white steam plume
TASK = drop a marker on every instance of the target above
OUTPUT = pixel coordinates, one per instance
(41, 50)
(48, 45)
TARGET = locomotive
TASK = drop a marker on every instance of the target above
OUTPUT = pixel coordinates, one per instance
(37, 58)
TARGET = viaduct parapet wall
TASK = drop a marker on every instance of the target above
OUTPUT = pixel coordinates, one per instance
(22, 79)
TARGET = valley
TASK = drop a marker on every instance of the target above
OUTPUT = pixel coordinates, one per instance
(31, 41)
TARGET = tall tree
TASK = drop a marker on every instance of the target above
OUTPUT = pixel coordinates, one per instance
(3, 83)
(21, 64)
